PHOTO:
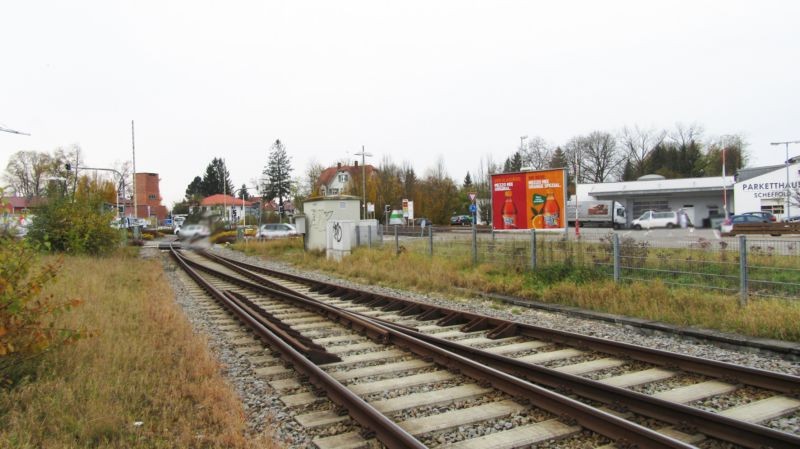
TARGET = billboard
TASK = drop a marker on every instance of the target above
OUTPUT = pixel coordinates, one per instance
(530, 200)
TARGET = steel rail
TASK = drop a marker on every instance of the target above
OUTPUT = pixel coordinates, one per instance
(567, 409)
(295, 339)
(685, 417)
(387, 431)
(498, 328)
(714, 425)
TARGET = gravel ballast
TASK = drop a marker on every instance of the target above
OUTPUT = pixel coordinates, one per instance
(263, 406)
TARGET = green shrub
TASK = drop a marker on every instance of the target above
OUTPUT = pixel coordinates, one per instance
(74, 227)
(26, 315)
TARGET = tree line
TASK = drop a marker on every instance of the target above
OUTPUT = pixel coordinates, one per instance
(626, 155)
(599, 156)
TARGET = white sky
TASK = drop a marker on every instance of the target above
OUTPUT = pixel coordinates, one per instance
(413, 80)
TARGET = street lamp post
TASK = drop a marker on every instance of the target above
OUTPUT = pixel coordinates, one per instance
(787, 213)
(364, 154)
(122, 179)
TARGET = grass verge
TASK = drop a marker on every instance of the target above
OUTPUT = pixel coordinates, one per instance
(567, 285)
(143, 379)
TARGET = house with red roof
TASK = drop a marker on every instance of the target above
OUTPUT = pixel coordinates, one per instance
(17, 205)
(336, 180)
(231, 207)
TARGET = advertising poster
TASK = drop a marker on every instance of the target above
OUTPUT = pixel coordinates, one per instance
(529, 200)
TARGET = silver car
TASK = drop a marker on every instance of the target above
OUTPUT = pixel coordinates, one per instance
(192, 231)
(276, 230)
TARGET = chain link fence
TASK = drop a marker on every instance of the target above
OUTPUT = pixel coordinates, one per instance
(744, 267)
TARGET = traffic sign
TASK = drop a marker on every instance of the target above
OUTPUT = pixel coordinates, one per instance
(473, 208)
(472, 196)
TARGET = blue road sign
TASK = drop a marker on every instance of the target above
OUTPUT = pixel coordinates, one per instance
(473, 208)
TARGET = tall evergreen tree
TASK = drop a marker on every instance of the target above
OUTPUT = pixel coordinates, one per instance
(629, 173)
(513, 164)
(217, 179)
(195, 189)
(559, 159)
(277, 174)
(243, 193)
(467, 181)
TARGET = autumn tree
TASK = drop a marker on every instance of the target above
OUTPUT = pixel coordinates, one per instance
(735, 149)
(31, 173)
(389, 185)
(76, 224)
(441, 195)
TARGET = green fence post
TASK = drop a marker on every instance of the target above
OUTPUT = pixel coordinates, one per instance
(474, 244)
(616, 258)
(430, 240)
(396, 241)
(742, 270)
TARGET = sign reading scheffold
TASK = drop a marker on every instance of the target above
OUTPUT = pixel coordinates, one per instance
(530, 200)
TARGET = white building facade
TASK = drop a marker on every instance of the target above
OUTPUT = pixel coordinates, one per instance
(768, 190)
(703, 199)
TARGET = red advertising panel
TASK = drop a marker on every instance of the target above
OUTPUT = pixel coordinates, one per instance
(529, 200)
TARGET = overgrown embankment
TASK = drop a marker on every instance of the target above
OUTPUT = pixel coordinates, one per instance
(138, 376)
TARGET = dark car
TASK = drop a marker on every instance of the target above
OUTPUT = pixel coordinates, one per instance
(766, 216)
(727, 225)
(460, 220)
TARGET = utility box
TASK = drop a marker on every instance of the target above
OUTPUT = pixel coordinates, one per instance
(340, 238)
(319, 211)
(366, 233)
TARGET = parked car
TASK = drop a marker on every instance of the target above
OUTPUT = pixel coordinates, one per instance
(651, 219)
(766, 216)
(727, 226)
(794, 219)
(192, 231)
(276, 230)
(460, 220)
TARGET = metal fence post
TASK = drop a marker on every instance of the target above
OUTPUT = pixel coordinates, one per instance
(358, 235)
(430, 240)
(616, 258)
(474, 244)
(369, 237)
(396, 241)
(533, 249)
(742, 270)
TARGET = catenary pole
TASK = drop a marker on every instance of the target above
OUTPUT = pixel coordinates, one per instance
(135, 200)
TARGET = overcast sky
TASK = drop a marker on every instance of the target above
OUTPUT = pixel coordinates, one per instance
(412, 80)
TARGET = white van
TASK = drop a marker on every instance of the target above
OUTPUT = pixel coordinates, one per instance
(652, 219)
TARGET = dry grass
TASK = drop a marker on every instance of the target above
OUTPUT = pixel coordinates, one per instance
(650, 300)
(143, 364)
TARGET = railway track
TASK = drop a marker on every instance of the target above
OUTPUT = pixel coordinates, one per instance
(600, 373)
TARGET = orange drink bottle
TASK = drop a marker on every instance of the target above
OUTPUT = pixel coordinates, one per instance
(509, 212)
(551, 211)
